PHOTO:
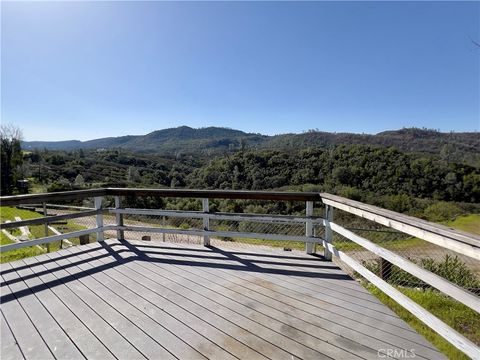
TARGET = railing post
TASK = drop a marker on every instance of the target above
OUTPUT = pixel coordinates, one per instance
(99, 217)
(328, 231)
(385, 269)
(206, 221)
(119, 218)
(164, 225)
(309, 247)
(45, 213)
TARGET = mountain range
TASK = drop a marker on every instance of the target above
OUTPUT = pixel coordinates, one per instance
(463, 146)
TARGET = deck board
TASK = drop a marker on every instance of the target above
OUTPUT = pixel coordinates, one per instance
(277, 321)
(136, 307)
(104, 332)
(54, 337)
(75, 330)
(301, 317)
(10, 348)
(102, 303)
(27, 336)
(152, 290)
(386, 339)
(134, 300)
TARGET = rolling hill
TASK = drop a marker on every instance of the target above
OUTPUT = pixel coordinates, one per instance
(457, 147)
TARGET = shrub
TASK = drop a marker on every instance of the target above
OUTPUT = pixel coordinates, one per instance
(442, 211)
(450, 268)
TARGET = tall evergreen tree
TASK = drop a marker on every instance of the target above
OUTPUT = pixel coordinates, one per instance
(11, 157)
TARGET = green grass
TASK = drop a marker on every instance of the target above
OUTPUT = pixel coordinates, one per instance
(458, 316)
(37, 231)
(273, 243)
(17, 254)
(387, 244)
(469, 223)
(9, 213)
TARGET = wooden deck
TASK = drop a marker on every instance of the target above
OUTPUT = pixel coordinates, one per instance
(135, 300)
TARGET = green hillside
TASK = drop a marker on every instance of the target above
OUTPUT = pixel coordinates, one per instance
(453, 147)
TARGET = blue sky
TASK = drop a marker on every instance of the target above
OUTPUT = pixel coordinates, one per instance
(83, 70)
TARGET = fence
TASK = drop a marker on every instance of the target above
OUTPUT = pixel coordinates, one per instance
(394, 252)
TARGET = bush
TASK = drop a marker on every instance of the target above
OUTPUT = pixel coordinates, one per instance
(450, 268)
(442, 211)
(400, 203)
(350, 193)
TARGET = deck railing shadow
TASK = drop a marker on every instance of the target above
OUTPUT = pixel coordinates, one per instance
(124, 247)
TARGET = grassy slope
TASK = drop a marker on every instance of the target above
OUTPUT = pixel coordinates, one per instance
(37, 231)
(16, 254)
(469, 223)
(458, 316)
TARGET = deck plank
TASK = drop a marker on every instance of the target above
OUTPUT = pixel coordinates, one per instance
(337, 305)
(53, 335)
(124, 298)
(313, 284)
(324, 328)
(101, 303)
(270, 332)
(152, 291)
(285, 281)
(397, 337)
(313, 337)
(373, 310)
(10, 348)
(158, 300)
(80, 335)
(29, 339)
(369, 336)
(342, 334)
(108, 336)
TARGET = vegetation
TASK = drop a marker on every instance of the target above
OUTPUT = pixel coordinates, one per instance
(453, 313)
(452, 147)
(364, 171)
(11, 158)
(469, 223)
(37, 231)
(423, 173)
(17, 254)
(449, 267)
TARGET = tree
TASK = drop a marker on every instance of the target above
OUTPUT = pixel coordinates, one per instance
(11, 156)
(133, 175)
(79, 181)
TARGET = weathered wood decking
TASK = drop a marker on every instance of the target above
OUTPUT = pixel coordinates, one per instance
(135, 300)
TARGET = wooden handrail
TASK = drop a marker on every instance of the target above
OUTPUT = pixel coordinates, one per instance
(218, 194)
(452, 239)
(181, 193)
(51, 219)
(54, 196)
(456, 240)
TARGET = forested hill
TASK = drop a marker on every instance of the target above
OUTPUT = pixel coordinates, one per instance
(408, 140)
(351, 170)
(182, 139)
(453, 147)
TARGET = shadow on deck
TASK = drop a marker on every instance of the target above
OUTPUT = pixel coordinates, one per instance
(134, 299)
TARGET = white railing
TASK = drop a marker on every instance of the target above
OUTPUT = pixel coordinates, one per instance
(455, 241)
